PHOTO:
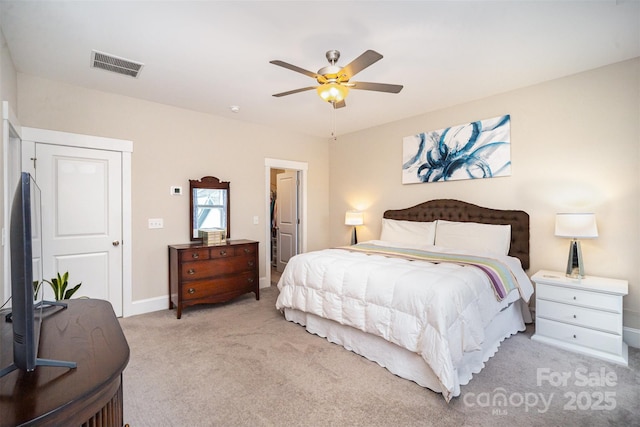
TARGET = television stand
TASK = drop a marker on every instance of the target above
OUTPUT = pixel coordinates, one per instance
(87, 332)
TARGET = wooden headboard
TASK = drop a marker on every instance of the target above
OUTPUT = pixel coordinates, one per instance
(456, 210)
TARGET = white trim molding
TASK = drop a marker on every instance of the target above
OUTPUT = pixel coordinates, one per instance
(631, 336)
(55, 137)
(303, 168)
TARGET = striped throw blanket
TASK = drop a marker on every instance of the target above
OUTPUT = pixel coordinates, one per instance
(499, 274)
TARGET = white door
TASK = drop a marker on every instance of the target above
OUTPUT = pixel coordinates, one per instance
(82, 218)
(287, 217)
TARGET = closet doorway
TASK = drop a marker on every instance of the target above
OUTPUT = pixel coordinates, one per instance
(286, 213)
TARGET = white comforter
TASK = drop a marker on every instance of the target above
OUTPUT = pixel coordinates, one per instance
(436, 310)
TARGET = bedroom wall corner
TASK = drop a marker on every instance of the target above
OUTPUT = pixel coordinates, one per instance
(171, 146)
(575, 146)
(8, 92)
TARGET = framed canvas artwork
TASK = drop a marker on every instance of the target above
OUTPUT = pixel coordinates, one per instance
(480, 149)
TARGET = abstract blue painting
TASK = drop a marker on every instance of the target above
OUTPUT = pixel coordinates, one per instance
(480, 149)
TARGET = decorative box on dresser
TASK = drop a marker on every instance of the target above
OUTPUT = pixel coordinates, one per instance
(581, 315)
(201, 274)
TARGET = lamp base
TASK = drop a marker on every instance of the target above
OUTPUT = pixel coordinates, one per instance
(575, 267)
(354, 237)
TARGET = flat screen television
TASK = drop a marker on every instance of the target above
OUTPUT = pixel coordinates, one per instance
(26, 252)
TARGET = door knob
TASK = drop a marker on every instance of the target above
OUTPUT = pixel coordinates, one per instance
(115, 243)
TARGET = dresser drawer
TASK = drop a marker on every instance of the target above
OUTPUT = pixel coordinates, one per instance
(217, 267)
(603, 320)
(218, 287)
(222, 251)
(246, 250)
(194, 254)
(610, 343)
(597, 300)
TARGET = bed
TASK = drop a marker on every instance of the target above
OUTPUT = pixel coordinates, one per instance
(430, 301)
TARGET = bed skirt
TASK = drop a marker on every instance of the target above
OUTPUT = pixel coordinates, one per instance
(405, 363)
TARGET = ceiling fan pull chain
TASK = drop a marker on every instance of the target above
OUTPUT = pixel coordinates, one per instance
(333, 123)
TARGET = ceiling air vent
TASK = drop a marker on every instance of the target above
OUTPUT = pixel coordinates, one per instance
(115, 64)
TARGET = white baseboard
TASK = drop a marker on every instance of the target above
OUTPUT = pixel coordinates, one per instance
(162, 303)
(631, 336)
(147, 306)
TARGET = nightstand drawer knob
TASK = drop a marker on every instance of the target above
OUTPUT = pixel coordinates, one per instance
(193, 291)
(191, 271)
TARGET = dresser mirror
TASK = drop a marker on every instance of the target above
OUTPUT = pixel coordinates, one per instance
(209, 201)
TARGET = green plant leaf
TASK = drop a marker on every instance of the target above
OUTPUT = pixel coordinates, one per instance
(72, 291)
(59, 285)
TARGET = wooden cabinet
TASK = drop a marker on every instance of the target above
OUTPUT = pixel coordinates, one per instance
(86, 332)
(581, 315)
(200, 274)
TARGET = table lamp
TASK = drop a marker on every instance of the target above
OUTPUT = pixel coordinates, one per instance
(575, 226)
(354, 218)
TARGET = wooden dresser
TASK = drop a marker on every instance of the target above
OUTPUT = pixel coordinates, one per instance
(201, 274)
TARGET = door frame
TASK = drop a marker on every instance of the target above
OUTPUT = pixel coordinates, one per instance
(125, 147)
(301, 168)
(11, 131)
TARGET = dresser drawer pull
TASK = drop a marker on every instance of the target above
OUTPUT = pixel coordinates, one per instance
(195, 255)
(250, 280)
(191, 291)
(250, 263)
(191, 271)
(223, 253)
(247, 250)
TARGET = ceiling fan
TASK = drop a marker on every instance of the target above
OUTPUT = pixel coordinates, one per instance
(334, 81)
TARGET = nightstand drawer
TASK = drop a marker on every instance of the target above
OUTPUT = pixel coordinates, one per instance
(571, 334)
(597, 300)
(580, 316)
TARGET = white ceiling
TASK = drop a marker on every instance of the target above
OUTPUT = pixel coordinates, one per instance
(210, 55)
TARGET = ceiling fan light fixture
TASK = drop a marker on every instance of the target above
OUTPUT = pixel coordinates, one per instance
(333, 92)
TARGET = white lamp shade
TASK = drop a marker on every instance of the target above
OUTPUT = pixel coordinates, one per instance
(576, 225)
(354, 218)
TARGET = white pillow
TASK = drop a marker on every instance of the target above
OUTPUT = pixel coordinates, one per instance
(410, 232)
(472, 236)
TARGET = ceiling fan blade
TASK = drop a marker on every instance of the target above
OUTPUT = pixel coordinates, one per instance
(291, 92)
(379, 87)
(340, 104)
(294, 68)
(360, 63)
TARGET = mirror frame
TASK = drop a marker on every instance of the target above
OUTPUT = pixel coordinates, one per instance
(215, 184)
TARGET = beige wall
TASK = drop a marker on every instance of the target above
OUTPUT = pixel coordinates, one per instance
(575, 146)
(171, 146)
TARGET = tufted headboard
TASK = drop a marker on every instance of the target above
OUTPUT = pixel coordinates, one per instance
(456, 210)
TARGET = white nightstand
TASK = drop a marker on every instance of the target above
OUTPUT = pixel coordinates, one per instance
(581, 315)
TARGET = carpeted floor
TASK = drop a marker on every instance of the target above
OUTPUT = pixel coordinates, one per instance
(242, 364)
